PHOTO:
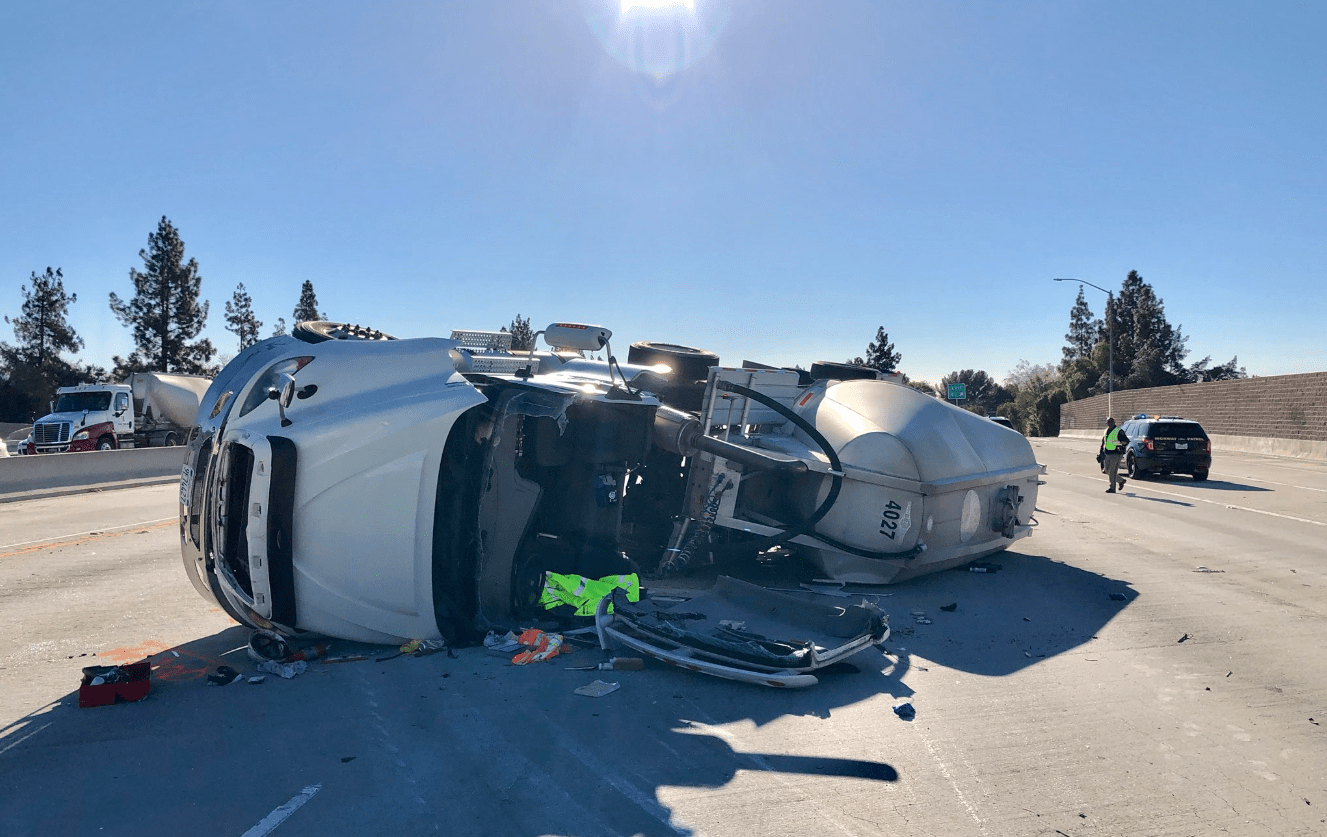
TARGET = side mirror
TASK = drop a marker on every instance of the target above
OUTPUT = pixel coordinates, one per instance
(284, 397)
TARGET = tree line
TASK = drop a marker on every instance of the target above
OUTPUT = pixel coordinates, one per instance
(1132, 346)
(166, 314)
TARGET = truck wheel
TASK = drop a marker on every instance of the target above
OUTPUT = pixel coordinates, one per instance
(688, 364)
(105, 443)
(829, 370)
(685, 388)
(1199, 476)
(170, 441)
(316, 331)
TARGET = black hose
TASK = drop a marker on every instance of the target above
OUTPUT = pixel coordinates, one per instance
(769, 541)
(835, 465)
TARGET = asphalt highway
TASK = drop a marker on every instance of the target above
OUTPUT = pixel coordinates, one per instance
(1147, 663)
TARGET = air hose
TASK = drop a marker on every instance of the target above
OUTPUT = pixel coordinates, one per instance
(836, 471)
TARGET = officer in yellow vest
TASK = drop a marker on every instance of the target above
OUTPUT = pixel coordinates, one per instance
(1112, 448)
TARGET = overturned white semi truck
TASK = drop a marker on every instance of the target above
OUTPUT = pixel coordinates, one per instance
(345, 483)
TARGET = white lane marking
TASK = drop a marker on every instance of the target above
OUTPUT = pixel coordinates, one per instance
(89, 532)
(283, 812)
(1201, 500)
(1286, 484)
(23, 738)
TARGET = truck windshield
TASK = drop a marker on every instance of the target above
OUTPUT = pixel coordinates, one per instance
(77, 402)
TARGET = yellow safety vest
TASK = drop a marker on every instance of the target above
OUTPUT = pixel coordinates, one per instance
(584, 593)
(1112, 440)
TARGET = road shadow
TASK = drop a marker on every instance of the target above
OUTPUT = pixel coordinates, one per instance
(1165, 500)
(1211, 484)
(469, 743)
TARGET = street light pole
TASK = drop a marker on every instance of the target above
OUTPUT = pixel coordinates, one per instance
(1110, 332)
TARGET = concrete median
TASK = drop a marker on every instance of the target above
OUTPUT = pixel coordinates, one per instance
(22, 475)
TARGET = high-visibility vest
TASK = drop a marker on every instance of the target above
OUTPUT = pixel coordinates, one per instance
(584, 593)
(1112, 439)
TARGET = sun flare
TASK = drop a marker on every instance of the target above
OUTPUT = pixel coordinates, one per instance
(627, 6)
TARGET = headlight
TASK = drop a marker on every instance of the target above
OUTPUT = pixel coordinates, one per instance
(79, 436)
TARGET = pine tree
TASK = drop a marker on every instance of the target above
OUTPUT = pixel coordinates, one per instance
(166, 313)
(280, 327)
(240, 319)
(1084, 331)
(42, 330)
(522, 336)
(307, 309)
(34, 368)
(880, 354)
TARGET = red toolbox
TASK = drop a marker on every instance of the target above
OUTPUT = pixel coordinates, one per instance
(122, 684)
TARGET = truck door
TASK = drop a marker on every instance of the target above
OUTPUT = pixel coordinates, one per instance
(123, 418)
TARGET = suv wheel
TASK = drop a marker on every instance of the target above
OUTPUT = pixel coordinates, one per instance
(1131, 466)
(1199, 476)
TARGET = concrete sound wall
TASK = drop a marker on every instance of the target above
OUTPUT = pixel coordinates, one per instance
(20, 474)
(1284, 415)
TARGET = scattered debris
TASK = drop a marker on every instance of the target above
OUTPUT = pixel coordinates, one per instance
(284, 670)
(1228, 673)
(984, 567)
(783, 636)
(346, 658)
(224, 676)
(1183, 638)
(905, 711)
(267, 645)
(256, 679)
(1118, 597)
(345, 759)
(598, 689)
(421, 647)
(1207, 570)
(502, 645)
(949, 608)
(106, 685)
(615, 664)
(539, 646)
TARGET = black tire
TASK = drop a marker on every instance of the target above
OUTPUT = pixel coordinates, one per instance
(829, 370)
(1131, 468)
(688, 364)
(1199, 476)
(105, 443)
(170, 441)
(317, 331)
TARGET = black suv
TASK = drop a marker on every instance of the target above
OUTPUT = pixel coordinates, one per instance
(1166, 445)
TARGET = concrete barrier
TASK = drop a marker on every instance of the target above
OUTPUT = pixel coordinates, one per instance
(1291, 448)
(20, 474)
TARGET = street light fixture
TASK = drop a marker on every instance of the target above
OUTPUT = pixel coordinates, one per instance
(1110, 331)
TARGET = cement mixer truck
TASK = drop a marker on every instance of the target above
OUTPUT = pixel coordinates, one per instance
(150, 409)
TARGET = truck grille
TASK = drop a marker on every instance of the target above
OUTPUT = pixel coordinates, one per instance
(54, 433)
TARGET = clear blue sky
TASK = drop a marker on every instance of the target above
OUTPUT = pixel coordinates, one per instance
(769, 180)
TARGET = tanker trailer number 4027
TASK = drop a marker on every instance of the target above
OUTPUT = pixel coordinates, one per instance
(889, 520)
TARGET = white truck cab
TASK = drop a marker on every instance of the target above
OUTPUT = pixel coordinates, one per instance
(86, 417)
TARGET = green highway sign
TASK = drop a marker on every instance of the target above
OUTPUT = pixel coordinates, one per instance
(958, 392)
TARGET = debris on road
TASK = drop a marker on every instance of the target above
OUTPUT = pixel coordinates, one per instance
(615, 664)
(539, 646)
(1210, 570)
(285, 671)
(598, 689)
(784, 636)
(949, 608)
(1183, 638)
(905, 711)
(1118, 597)
(107, 685)
(224, 676)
